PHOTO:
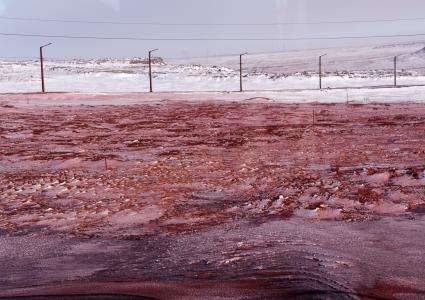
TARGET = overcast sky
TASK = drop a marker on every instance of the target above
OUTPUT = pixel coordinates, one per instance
(200, 11)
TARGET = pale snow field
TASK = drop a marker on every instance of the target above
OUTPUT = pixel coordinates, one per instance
(388, 95)
(118, 78)
(351, 67)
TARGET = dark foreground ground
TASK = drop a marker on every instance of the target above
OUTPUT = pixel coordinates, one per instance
(184, 200)
(256, 259)
(267, 259)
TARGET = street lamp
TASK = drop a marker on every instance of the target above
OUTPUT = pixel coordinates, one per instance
(241, 70)
(42, 67)
(320, 70)
(150, 69)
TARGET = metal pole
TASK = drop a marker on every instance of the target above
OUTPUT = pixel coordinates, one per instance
(241, 72)
(42, 70)
(395, 71)
(43, 89)
(320, 70)
(150, 70)
(150, 73)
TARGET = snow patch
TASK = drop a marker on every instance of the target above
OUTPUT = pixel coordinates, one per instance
(128, 217)
(319, 213)
(387, 207)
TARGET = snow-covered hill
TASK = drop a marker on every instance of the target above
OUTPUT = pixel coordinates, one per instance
(348, 67)
(373, 58)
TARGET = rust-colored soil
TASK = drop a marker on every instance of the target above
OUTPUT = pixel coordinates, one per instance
(177, 166)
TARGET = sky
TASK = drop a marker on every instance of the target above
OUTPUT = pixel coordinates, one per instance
(199, 11)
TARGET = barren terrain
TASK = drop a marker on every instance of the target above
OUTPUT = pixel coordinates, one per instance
(301, 198)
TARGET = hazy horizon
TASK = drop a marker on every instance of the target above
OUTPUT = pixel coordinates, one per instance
(195, 11)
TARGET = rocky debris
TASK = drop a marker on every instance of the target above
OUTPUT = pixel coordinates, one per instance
(145, 61)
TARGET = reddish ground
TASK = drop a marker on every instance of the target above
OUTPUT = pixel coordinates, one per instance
(177, 168)
(93, 169)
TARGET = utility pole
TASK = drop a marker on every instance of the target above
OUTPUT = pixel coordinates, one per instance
(320, 70)
(43, 89)
(395, 71)
(150, 69)
(241, 71)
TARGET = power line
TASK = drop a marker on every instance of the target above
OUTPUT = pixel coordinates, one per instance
(338, 60)
(212, 56)
(208, 39)
(19, 57)
(417, 68)
(330, 62)
(211, 24)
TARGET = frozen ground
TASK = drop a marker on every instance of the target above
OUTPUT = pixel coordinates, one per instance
(96, 169)
(357, 67)
(361, 95)
(252, 259)
(255, 196)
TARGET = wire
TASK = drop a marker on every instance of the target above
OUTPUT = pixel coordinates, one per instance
(212, 56)
(282, 66)
(209, 39)
(416, 68)
(211, 24)
(19, 57)
(333, 61)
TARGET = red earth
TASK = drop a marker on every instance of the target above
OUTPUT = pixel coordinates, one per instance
(215, 172)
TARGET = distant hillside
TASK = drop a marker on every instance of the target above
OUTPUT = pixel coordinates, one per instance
(373, 58)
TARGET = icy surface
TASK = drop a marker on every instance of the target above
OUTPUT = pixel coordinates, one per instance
(268, 259)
